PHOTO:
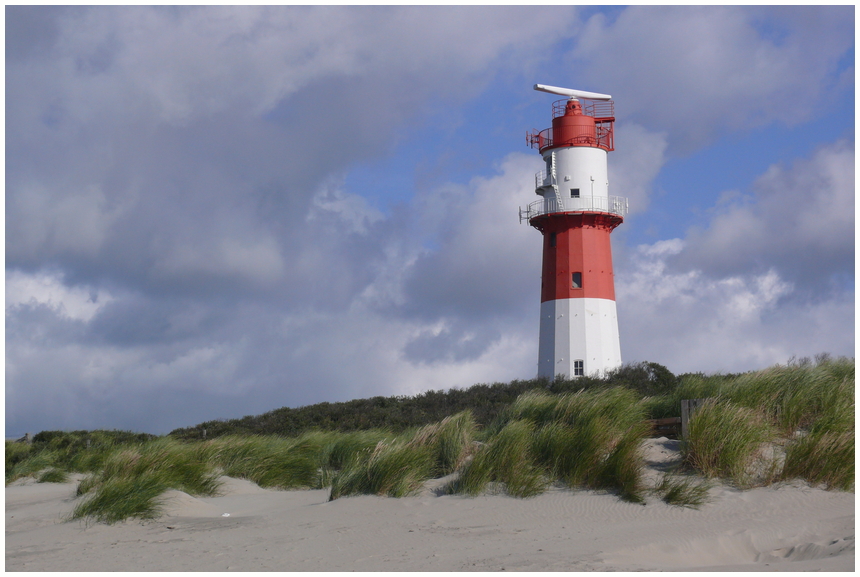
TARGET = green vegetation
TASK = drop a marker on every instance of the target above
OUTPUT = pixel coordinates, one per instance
(133, 478)
(782, 423)
(399, 414)
(506, 459)
(725, 440)
(585, 439)
(682, 491)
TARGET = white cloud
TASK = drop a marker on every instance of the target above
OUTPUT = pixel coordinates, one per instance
(691, 322)
(708, 70)
(800, 219)
(351, 210)
(639, 156)
(43, 288)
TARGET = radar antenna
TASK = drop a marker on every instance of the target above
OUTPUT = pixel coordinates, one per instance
(573, 94)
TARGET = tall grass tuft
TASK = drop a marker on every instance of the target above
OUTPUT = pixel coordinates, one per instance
(795, 397)
(53, 475)
(682, 491)
(451, 441)
(822, 458)
(394, 469)
(23, 461)
(119, 498)
(270, 462)
(134, 477)
(506, 459)
(338, 450)
(588, 439)
(726, 440)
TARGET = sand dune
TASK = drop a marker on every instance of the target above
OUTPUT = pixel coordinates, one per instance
(786, 528)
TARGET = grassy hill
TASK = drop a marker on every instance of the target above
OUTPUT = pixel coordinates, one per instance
(402, 412)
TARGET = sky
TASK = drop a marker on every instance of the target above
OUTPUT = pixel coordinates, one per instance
(213, 212)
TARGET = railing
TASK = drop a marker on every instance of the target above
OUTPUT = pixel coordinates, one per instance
(542, 179)
(602, 137)
(612, 204)
(603, 113)
(599, 109)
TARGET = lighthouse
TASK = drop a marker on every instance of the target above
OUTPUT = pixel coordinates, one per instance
(576, 215)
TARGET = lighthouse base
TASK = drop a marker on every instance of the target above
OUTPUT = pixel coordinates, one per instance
(578, 337)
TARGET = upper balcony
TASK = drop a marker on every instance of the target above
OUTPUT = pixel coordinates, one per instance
(613, 205)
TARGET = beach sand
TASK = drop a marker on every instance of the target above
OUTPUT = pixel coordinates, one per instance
(790, 527)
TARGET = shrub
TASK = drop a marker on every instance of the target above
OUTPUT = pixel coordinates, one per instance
(648, 379)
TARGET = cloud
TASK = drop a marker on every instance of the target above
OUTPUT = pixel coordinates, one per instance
(180, 149)
(799, 219)
(706, 71)
(693, 322)
(184, 241)
(635, 164)
(486, 260)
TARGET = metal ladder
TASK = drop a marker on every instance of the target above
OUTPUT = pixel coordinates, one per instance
(554, 182)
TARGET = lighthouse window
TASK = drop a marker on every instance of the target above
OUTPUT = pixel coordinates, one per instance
(574, 193)
(578, 368)
(577, 280)
(552, 239)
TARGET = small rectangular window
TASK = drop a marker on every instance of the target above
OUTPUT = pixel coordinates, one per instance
(578, 368)
(577, 280)
(552, 239)
(574, 193)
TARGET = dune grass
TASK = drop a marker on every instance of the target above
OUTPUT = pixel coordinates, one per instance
(52, 475)
(822, 457)
(134, 477)
(589, 439)
(726, 440)
(682, 491)
(506, 460)
(23, 461)
(270, 462)
(399, 467)
(394, 469)
(806, 408)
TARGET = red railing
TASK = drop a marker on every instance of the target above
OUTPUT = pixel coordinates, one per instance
(603, 112)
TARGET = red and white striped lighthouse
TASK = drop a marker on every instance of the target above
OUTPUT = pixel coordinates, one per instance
(576, 214)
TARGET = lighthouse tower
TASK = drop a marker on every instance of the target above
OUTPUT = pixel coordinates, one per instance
(576, 214)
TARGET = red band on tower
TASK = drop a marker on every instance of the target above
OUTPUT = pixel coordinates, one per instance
(577, 243)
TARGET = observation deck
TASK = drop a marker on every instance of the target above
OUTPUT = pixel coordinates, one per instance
(613, 205)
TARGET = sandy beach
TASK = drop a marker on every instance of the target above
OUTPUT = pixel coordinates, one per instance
(790, 527)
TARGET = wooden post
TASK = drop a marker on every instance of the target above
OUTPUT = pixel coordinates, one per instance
(688, 406)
